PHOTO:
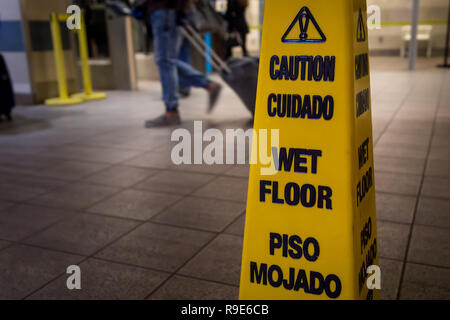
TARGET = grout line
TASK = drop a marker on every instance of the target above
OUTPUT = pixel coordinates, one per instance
(416, 205)
(37, 246)
(162, 271)
(394, 114)
(12, 243)
(428, 265)
(189, 260)
(415, 224)
(412, 196)
(398, 173)
(107, 245)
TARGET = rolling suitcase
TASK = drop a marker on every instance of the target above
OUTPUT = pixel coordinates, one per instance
(6, 92)
(241, 74)
(243, 79)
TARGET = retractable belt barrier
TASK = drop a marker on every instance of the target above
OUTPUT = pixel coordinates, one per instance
(310, 230)
(88, 94)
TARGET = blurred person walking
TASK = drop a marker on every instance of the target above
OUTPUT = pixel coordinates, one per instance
(235, 15)
(184, 54)
(163, 15)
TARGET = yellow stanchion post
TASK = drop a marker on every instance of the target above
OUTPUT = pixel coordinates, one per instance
(63, 98)
(88, 93)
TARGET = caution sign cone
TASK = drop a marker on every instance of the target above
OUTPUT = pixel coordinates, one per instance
(310, 230)
(361, 32)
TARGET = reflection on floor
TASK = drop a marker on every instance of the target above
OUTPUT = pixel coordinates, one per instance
(89, 185)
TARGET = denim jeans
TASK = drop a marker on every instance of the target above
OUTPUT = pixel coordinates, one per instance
(172, 71)
(184, 55)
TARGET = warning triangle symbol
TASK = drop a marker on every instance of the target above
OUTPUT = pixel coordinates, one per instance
(361, 31)
(308, 30)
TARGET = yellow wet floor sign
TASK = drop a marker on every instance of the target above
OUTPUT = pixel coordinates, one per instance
(310, 230)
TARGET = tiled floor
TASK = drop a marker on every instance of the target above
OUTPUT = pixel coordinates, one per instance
(88, 185)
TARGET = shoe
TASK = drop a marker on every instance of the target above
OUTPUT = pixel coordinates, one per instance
(163, 121)
(214, 93)
(184, 92)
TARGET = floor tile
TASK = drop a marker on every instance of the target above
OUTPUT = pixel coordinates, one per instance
(401, 151)
(436, 187)
(410, 127)
(101, 280)
(21, 221)
(206, 214)
(83, 234)
(94, 154)
(406, 139)
(135, 204)
(438, 168)
(156, 246)
(24, 269)
(175, 182)
(219, 261)
(27, 164)
(396, 208)
(430, 245)
(194, 289)
(75, 196)
(151, 160)
(225, 188)
(393, 239)
(4, 244)
(439, 153)
(72, 170)
(22, 188)
(237, 228)
(239, 171)
(425, 282)
(441, 129)
(203, 168)
(397, 183)
(390, 278)
(5, 204)
(440, 142)
(121, 176)
(433, 212)
(399, 165)
(135, 141)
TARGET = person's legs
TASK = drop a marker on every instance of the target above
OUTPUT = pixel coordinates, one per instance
(185, 56)
(244, 44)
(192, 78)
(165, 45)
(165, 35)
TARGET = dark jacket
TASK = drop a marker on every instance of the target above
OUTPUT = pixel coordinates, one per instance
(235, 16)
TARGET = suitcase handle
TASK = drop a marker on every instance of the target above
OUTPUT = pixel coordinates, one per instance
(197, 41)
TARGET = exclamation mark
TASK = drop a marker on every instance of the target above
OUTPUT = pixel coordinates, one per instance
(303, 22)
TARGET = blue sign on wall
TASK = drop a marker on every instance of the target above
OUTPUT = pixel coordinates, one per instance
(11, 39)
